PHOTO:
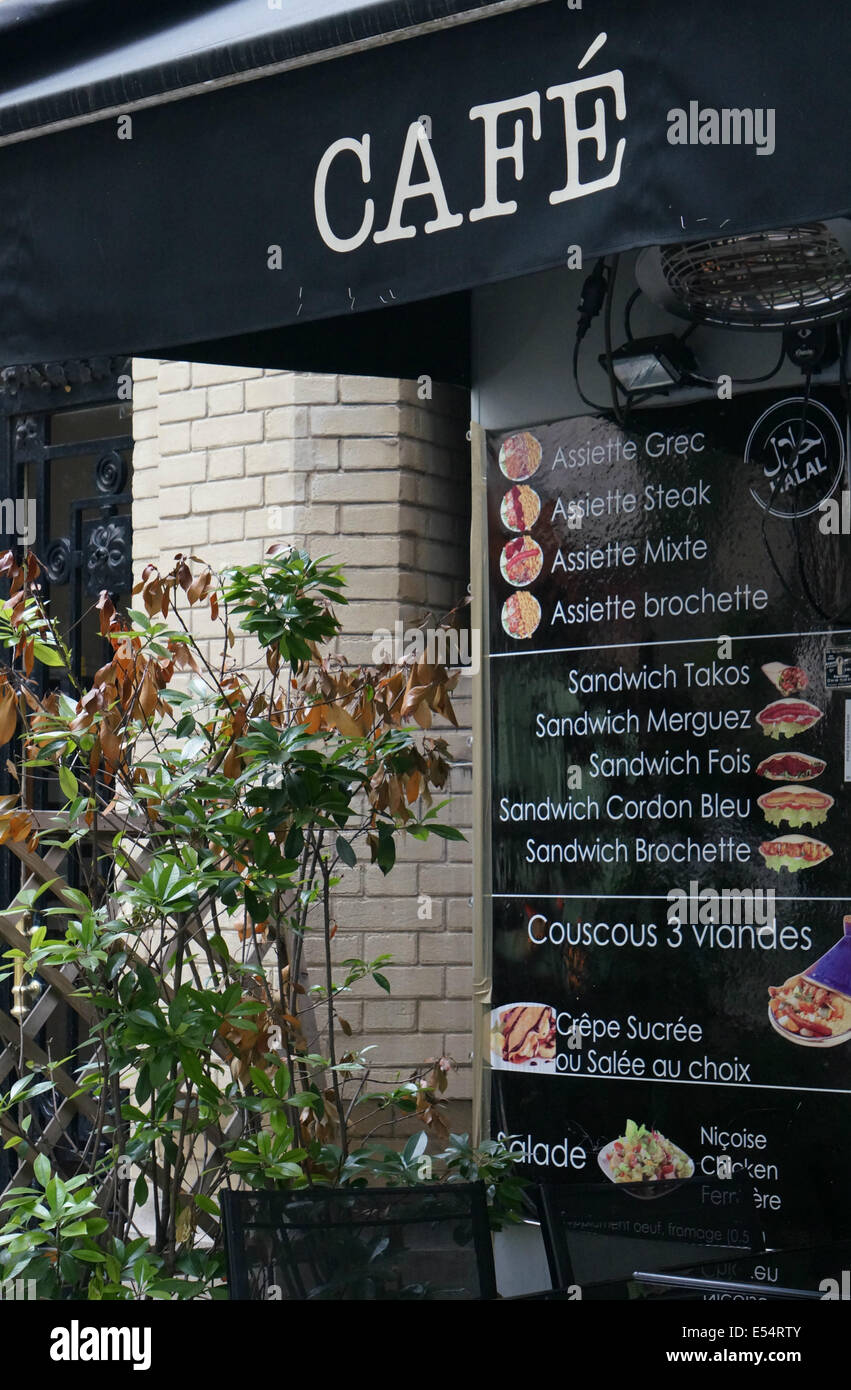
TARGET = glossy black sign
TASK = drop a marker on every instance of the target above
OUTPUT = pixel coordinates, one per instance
(671, 779)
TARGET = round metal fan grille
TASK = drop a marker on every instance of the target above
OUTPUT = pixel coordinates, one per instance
(796, 274)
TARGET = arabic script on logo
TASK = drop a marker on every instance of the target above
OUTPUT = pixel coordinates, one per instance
(793, 469)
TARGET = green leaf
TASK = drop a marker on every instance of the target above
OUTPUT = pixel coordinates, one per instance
(208, 1205)
(41, 1169)
(381, 981)
(47, 655)
(67, 781)
(346, 853)
(445, 832)
(73, 895)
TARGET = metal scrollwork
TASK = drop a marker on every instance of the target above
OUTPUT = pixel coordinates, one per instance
(57, 561)
(107, 557)
(110, 472)
(26, 431)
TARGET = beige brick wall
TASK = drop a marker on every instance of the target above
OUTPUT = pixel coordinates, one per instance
(228, 460)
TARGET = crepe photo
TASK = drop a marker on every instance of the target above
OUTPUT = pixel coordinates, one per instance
(642, 1155)
(791, 767)
(520, 508)
(520, 456)
(795, 805)
(789, 680)
(521, 614)
(793, 853)
(786, 718)
(521, 561)
(523, 1037)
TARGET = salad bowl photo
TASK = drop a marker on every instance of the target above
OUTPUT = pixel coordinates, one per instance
(644, 1163)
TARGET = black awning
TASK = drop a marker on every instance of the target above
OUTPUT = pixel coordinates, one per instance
(66, 61)
(344, 179)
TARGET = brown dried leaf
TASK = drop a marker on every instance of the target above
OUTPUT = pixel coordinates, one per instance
(8, 715)
(232, 765)
(422, 714)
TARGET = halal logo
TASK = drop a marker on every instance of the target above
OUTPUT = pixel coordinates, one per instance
(795, 469)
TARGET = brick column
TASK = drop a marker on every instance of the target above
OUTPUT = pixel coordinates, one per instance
(229, 459)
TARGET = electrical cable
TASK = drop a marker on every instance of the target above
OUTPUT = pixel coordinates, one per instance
(607, 325)
(781, 478)
(744, 380)
(836, 619)
(593, 297)
(592, 405)
(627, 326)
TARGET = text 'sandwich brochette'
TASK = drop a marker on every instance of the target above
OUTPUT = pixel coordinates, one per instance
(795, 805)
(786, 718)
(794, 852)
(791, 767)
(789, 680)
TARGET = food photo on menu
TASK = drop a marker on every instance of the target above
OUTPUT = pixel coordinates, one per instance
(642, 1155)
(814, 1008)
(524, 1036)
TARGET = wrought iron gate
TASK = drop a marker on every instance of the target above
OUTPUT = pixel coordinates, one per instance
(66, 447)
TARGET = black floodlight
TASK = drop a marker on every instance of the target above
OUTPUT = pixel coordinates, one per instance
(651, 364)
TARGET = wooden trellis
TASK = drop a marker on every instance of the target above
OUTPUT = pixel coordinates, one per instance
(19, 1039)
(59, 990)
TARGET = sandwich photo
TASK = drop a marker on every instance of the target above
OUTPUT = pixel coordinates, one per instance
(786, 718)
(520, 508)
(805, 1011)
(521, 614)
(523, 1035)
(788, 679)
(521, 561)
(794, 852)
(791, 767)
(795, 805)
(520, 456)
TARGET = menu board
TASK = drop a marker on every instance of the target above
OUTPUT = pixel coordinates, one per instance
(670, 686)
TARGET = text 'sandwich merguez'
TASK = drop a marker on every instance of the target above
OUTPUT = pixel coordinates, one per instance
(786, 718)
(794, 852)
(795, 805)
